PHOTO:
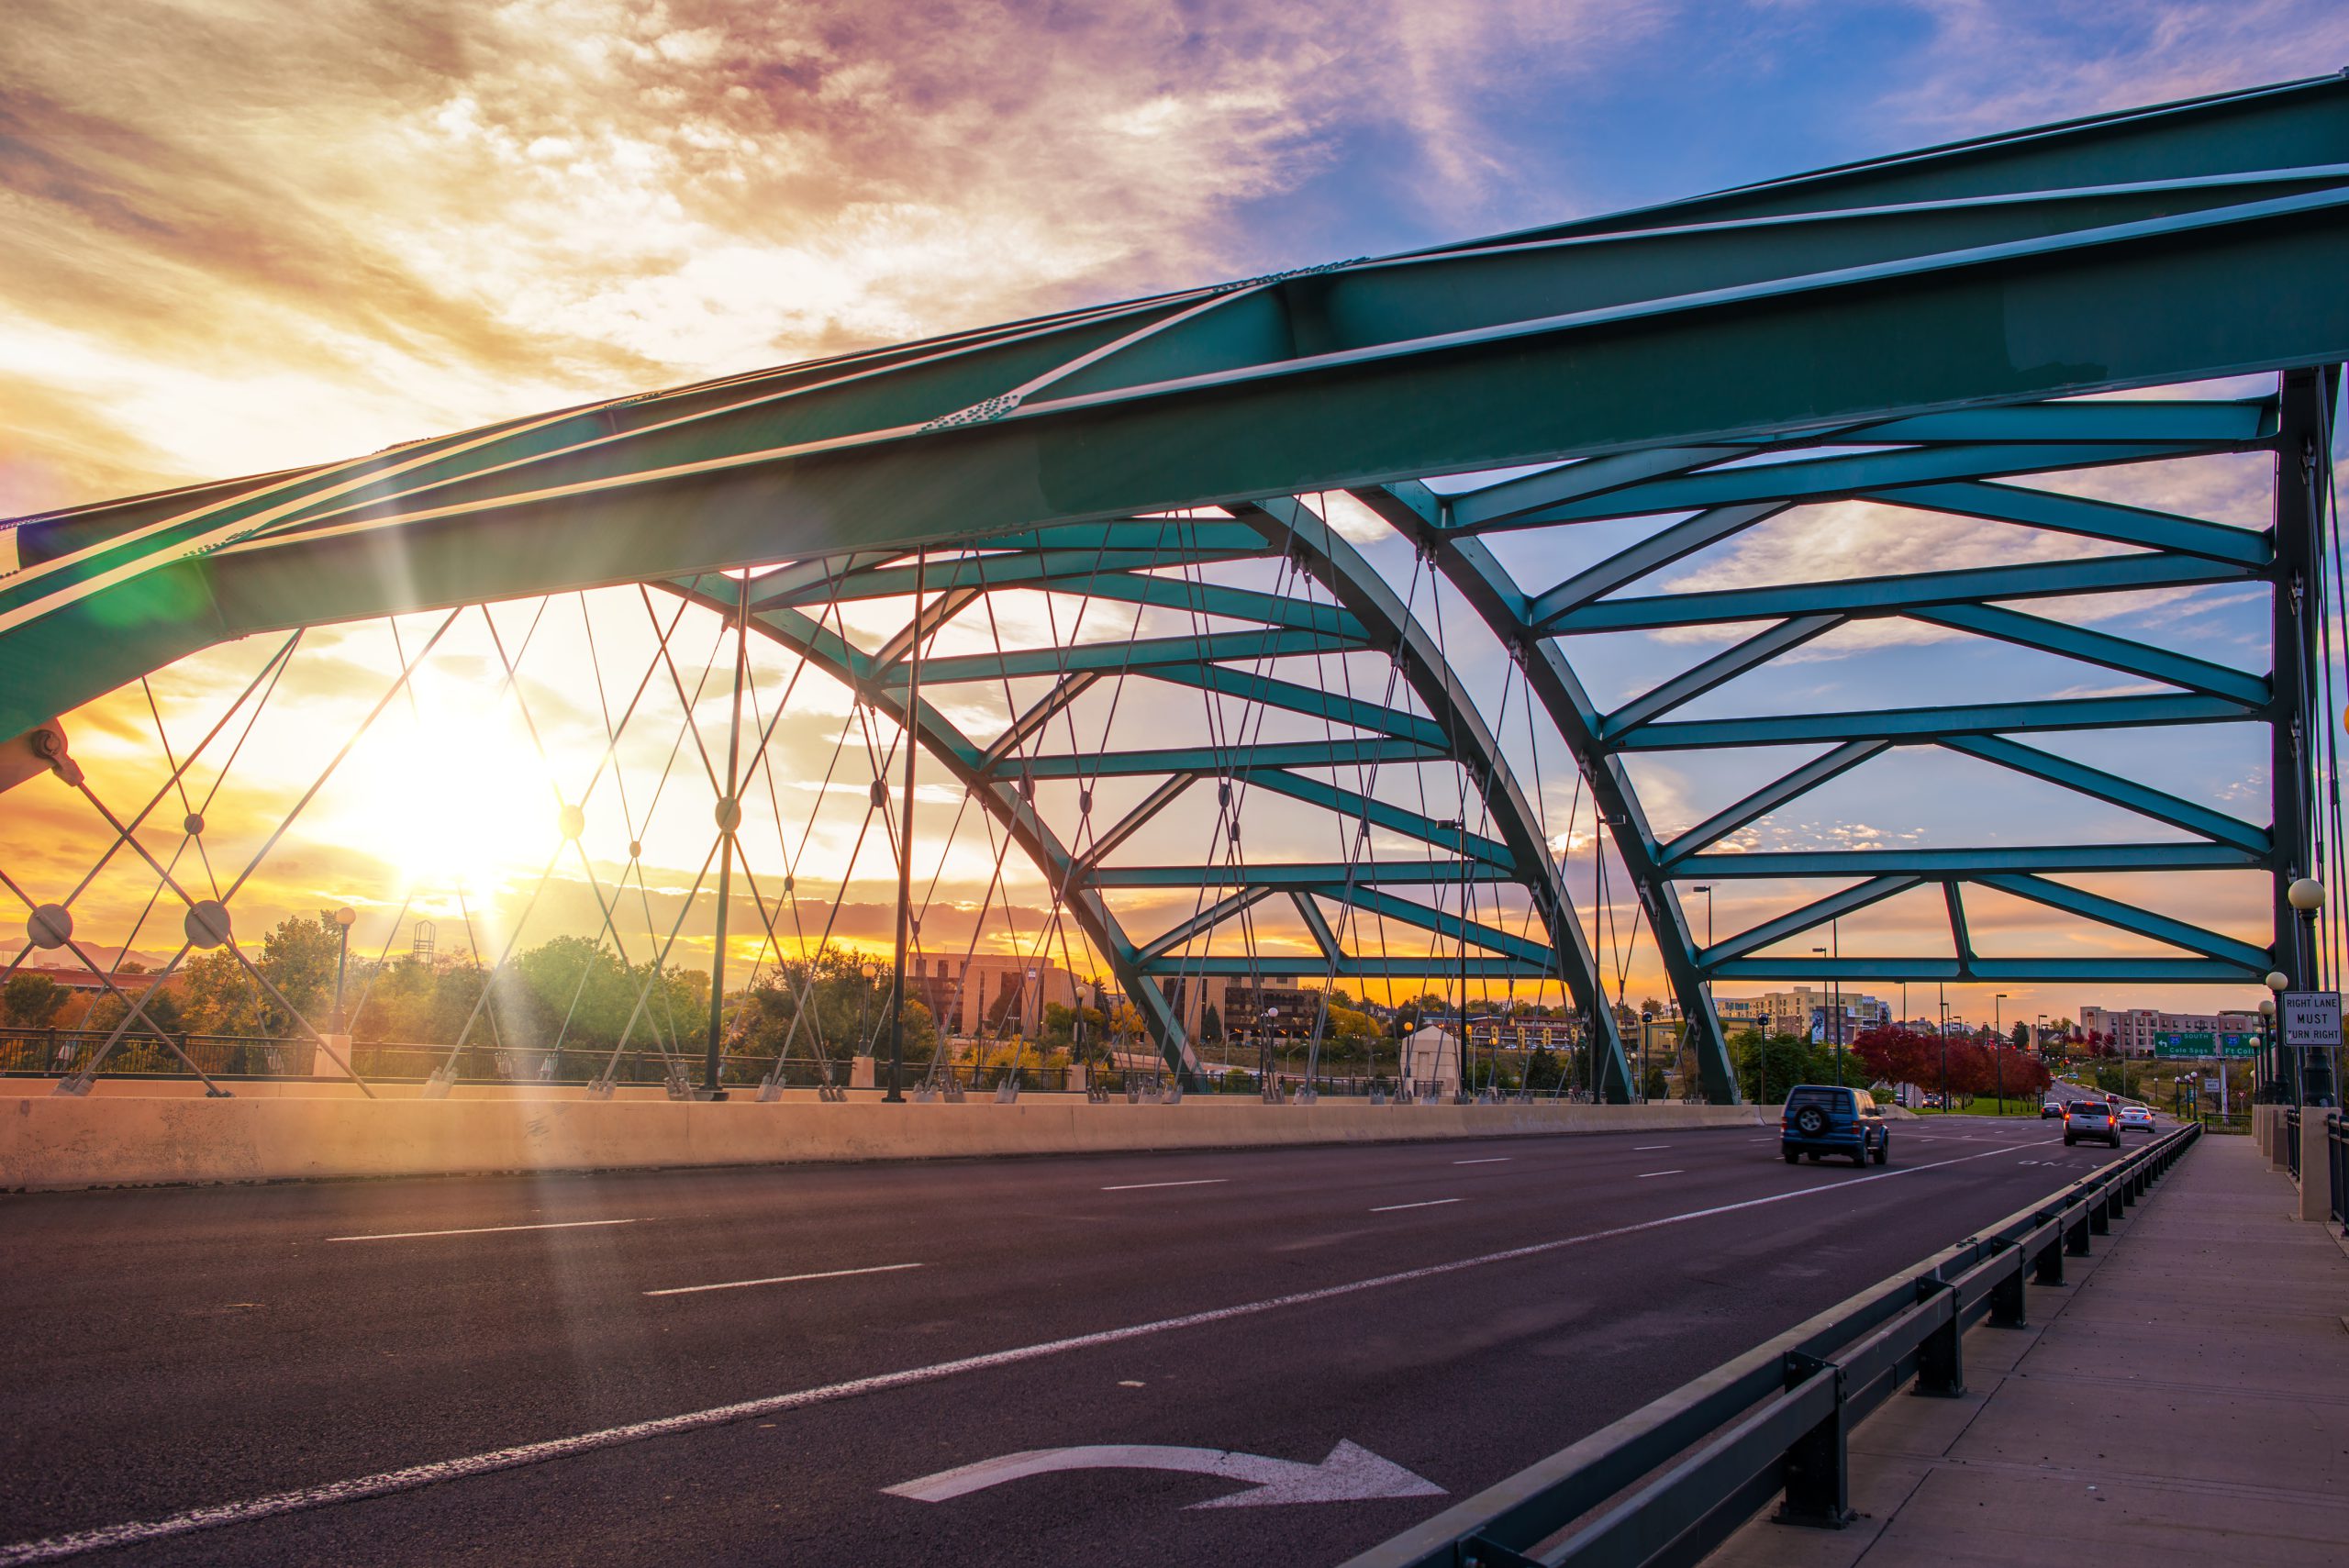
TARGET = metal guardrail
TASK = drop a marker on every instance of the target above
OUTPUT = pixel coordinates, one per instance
(1667, 1483)
(2292, 1141)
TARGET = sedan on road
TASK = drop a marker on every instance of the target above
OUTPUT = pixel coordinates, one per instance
(2137, 1119)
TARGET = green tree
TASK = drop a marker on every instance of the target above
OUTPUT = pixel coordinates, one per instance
(298, 956)
(32, 1001)
(1785, 1060)
(1656, 1087)
(221, 998)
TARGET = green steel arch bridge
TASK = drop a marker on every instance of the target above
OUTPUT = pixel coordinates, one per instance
(1962, 332)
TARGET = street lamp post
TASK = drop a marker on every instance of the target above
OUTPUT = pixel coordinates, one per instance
(1999, 1050)
(2273, 1078)
(2312, 1066)
(1460, 826)
(2266, 1045)
(1942, 994)
(1837, 1033)
(342, 920)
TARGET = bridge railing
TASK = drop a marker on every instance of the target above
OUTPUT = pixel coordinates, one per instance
(2336, 1151)
(2292, 1141)
(1668, 1483)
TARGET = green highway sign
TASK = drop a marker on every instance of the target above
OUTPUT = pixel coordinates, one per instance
(2194, 1045)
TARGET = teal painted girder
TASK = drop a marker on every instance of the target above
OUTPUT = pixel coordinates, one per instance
(1288, 696)
(1443, 923)
(1311, 966)
(1841, 474)
(1346, 803)
(1996, 971)
(1898, 594)
(1931, 723)
(1967, 863)
(2005, 291)
(2164, 245)
(1318, 875)
(1111, 657)
(1211, 760)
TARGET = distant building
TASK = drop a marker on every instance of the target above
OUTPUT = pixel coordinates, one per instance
(1273, 1004)
(991, 993)
(2130, 1030)
(1801, 1010)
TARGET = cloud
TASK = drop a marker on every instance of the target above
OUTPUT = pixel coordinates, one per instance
(1995, 65)
(409, 217)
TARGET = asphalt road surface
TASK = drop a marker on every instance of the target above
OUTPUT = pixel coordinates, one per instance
(341, 1371)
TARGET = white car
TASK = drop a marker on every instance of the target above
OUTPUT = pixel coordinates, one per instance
(2137, 1119)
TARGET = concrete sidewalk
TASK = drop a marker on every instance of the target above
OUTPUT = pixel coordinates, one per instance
(2183, 1399)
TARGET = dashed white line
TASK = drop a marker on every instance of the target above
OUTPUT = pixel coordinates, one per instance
(482, 1230)
(1645, 1175)
(386, 1483)
(1430, 1202)
(1488, 1159)
(781, 1279)
(1648, 1148)
(1138, 1186)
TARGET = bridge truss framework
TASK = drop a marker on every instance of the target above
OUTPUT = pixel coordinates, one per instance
(1927, 333)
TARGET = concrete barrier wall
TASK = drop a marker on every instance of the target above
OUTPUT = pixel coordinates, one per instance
(64, 1141)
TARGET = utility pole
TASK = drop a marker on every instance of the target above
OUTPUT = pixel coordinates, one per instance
(905, 847)
(1829, 1032)
(1942, 994)
(1998, 1049)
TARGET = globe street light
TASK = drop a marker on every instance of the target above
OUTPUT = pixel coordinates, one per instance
(2313, 1068)
(2266, 1044)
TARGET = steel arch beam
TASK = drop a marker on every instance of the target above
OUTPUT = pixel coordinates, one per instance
(2154, 246)
(1417, 513)
(1288, 524)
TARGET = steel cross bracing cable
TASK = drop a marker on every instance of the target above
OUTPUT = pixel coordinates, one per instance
(1354, 846)
(1057, 879)
(127, 835)
(271, 668)
(1227, 850)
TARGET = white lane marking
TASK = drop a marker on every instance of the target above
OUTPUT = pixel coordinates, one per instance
(1488, 1159)
(1430, 1202)
(1648, 1148)
(781, 1279)
(482, 1230)
(53, 1548)
(1351, 1474)
(1645, 1174)
(1138, 1186)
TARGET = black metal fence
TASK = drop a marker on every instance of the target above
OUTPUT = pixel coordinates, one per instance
(2292, 1141)
(1669, 1483)
(2336, 1154)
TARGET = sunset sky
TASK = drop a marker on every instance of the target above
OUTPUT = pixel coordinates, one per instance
(241, 236)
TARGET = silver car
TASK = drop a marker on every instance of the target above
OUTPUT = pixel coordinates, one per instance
(2137, 1119)
(2091, 1118)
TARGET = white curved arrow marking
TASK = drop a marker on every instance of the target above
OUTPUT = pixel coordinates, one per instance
(1351, 1474)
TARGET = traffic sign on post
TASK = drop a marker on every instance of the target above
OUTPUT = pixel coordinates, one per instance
(2311, 1017)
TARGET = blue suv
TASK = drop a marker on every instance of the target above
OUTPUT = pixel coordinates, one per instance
(1827, 1118)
